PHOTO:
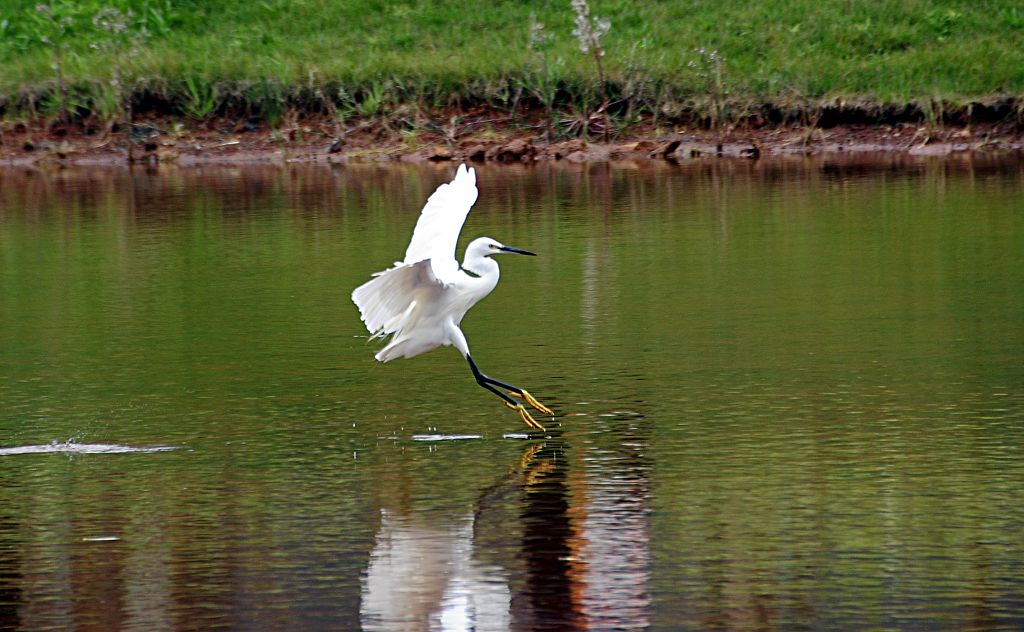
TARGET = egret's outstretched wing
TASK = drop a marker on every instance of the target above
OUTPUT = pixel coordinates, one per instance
(386, 300)
(437, 230)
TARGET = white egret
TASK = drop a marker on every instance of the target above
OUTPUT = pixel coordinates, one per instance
(421, 300)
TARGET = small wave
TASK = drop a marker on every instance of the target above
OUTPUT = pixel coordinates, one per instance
(82, 448)
(444, 437)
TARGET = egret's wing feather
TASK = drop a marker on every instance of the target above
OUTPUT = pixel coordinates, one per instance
(437, 230)
(386, 300)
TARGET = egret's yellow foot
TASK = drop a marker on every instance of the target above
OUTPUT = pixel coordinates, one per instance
(533, 402)
(526, 417)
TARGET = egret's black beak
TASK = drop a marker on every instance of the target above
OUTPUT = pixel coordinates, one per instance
(516, 251)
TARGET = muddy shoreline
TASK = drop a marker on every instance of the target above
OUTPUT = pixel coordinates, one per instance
(158, 141)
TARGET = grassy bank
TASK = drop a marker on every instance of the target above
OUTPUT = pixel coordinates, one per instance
(707, 62)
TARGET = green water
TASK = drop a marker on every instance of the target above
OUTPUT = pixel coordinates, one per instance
(789, 395)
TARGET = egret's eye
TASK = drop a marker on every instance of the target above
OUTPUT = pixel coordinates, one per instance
(492, 246)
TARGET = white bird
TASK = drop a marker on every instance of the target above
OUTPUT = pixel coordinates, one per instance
(421, 301)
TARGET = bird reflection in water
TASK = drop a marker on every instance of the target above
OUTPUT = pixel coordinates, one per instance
(423, 577)
(11, 597)
(519, 561)
(551, 548)
(586, 538)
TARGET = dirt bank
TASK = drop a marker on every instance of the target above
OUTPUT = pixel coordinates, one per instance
(163, 140)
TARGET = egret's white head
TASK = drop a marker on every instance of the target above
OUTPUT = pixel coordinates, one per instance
(478, 256)
(485, 246)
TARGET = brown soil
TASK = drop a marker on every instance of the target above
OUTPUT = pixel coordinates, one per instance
(164, 139)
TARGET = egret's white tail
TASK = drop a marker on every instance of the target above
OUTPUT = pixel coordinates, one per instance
(400, 346)
(408, 341)
(398, 349)
(388, 306)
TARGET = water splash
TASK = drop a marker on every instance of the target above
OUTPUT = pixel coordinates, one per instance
(71, 447)
(444, 437)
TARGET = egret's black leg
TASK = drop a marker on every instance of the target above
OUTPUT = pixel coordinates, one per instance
(486, 380)
(489, 383)
(482, 380)
(515, 390)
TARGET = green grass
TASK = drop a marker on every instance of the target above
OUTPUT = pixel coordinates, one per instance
(375, 54)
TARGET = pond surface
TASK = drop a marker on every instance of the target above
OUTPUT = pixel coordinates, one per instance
(788, 395)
